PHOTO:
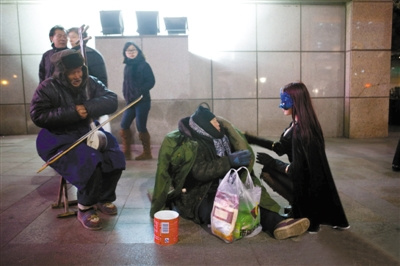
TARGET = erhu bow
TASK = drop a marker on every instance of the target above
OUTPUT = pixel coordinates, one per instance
(62, 153)
(94, 135)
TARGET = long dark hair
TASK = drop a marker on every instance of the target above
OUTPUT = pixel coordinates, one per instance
(140, 55)
(303, 113)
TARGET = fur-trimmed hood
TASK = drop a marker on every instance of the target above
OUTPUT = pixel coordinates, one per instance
(65, 61)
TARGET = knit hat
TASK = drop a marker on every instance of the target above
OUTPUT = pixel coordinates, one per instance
(202, 117)
(68, 58)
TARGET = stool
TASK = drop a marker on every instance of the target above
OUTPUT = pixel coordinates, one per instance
(63, 194)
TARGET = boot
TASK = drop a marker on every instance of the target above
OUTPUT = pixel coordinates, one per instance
(145, 138)
(126, 136)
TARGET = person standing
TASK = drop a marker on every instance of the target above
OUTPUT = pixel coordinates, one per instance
(306, 182)
(396, 158)
(58, 39)
(95, 61)
(138, 80)
(64, 107)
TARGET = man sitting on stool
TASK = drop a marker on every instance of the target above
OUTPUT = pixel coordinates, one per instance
(64, 106)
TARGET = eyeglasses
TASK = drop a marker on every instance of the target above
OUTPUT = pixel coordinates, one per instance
(131, 51)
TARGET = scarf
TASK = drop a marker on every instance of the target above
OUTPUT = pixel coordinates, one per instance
(222, 147)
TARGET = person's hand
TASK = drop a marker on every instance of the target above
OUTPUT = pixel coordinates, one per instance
(251, 139)
(240, 158)
(265, 159)
(82, 112)
(277, 146)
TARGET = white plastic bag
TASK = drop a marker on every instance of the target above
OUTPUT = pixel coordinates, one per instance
(235, 212)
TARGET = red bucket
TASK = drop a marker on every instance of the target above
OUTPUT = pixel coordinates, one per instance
(166, 226)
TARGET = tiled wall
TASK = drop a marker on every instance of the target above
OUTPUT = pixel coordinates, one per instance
(237, 63)
(368, 68)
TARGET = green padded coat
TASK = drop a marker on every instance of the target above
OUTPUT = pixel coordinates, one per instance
(175, 161)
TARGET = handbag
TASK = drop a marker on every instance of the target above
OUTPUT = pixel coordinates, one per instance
(235, 212)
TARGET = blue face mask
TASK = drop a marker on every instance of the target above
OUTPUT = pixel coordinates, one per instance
(286, 101)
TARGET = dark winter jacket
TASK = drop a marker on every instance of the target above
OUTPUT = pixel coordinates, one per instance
(53, 109)
(188, 163)
(46, 68)
(138, 80)
(53, 105)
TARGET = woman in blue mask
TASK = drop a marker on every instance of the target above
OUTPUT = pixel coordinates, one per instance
(306, 182)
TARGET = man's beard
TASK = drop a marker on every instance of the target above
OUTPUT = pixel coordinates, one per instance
(77, 90)
(76, 81)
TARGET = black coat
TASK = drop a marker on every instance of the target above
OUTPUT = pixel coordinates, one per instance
(315, 193)
(46, 68)
(138, 80)
(53, 109)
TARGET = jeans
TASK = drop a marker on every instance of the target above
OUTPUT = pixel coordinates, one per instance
(140, 111)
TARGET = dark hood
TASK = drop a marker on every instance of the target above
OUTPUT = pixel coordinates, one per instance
(66, 60)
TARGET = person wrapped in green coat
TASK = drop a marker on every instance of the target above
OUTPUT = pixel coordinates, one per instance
(193, 159)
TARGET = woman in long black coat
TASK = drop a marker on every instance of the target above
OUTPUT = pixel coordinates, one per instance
(306, 182)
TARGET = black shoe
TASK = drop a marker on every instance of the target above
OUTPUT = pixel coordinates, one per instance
(314, 229)
(287, 215)
(396, 167)
(287, 212)
(287, 209)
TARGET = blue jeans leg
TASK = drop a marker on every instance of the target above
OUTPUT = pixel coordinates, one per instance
(140, 111)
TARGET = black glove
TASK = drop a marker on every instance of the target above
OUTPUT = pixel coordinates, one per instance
(277, 147)
(239, 158)
(265, 159)
(271, 163)
(259, 141)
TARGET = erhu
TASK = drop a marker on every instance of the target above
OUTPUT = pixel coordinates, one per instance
(97, 140)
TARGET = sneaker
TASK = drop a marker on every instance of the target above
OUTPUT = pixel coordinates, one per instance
(107, 208)
(89, 219)
(314, 229)
(287, 209)
(341, 227)
(291, 227)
